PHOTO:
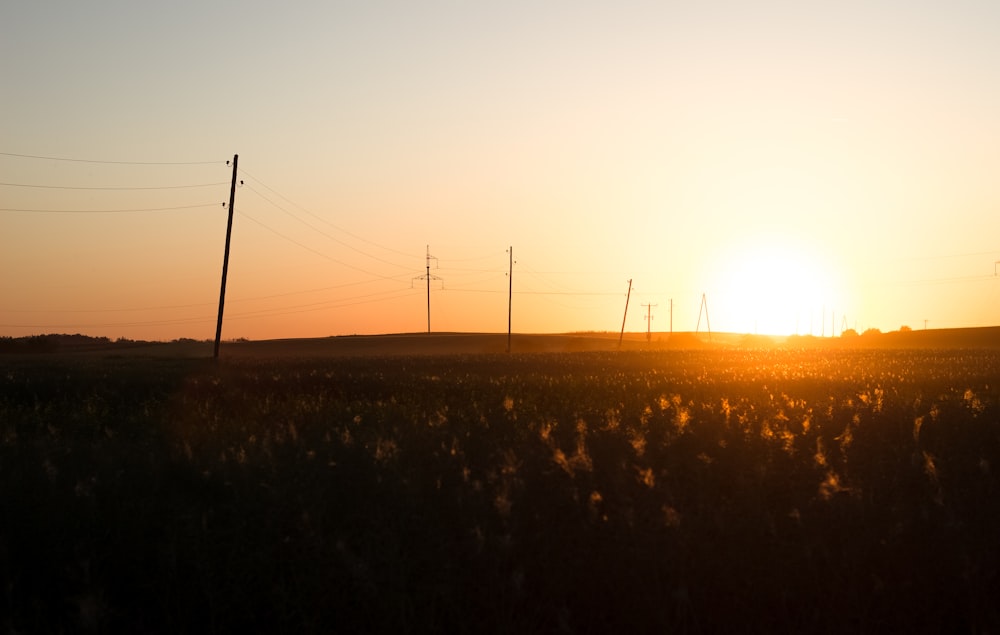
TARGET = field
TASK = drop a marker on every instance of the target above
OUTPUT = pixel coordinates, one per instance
(689, 491)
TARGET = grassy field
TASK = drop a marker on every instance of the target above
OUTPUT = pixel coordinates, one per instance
(723, 490)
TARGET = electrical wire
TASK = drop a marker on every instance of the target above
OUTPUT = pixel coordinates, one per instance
(120, 310)
(980, 278)
(290, 293)
(323, 220)
(112, 324)
(107, 211)
(261, 313)
(75, 160)
(325, 305)
(322, 233)
(155, 187)
(318, 253)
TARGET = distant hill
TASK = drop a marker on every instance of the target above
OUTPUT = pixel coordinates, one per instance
(475, 343)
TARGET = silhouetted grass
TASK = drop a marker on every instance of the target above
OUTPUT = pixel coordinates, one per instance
(676, 491)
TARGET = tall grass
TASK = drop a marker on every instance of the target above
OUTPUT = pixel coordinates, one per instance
(585, 492)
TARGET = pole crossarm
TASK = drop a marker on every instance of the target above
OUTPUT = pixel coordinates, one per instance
(428, 277)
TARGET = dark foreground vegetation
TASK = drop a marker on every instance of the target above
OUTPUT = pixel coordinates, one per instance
(685, 491)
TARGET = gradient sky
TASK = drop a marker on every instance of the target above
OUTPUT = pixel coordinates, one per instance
(804, 165)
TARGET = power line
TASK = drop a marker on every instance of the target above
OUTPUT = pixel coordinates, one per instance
(120, 310)
(310, 249)
(107, 211)
(72, 187)
(326, 304)
(317, 290)
(110, 324)
(320, 218)
(581, 293)
(322, 233)
(942, 280)
(379, 296)
(76, 160)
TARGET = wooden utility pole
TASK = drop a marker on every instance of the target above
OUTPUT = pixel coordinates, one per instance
(225, 259)
(649, 321)
(671, 316)
(510, 292)
(629, 295)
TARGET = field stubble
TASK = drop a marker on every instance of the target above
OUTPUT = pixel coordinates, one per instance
(685, 491)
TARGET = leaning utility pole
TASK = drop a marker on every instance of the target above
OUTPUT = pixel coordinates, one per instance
(428, 277)
(510, 292)
(649, 321)
(225, 259)
(629, 295)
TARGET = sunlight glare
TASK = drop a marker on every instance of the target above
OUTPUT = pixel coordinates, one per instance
(774, 285)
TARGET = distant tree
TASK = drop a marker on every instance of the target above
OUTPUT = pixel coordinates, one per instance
(872, 331)
(904, 329)
(849, 333)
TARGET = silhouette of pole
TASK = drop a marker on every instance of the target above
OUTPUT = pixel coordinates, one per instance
(510, 292)
(649, 321)
(704, 306)
(428, 288)
(428, 277)
(627, 296)
(671, 316)
(225, 259)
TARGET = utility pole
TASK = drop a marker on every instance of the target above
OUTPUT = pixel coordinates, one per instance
(627, 296)
(704, 306)
(428, 277)
(671, 316)
(649, 321)
(510, 292)
(225, 259)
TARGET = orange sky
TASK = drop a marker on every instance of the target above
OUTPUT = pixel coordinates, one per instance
(806, 168)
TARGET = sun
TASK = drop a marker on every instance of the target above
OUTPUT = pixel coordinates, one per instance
(774, 285)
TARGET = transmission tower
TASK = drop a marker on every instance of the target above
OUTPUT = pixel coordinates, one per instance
(704, 307)
(428, 277)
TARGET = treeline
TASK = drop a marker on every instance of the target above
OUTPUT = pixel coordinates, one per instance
(58, 343)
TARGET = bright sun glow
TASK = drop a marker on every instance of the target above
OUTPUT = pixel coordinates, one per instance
(774, 285)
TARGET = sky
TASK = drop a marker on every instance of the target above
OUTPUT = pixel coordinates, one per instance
(750, 167)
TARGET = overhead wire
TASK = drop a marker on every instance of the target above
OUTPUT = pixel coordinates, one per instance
(77, 160)
(107, 211)
(979, 278)
(318, 253)
(117, 310)
(322, 233)
(325, 305)
(154, 187)
(323, 220)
